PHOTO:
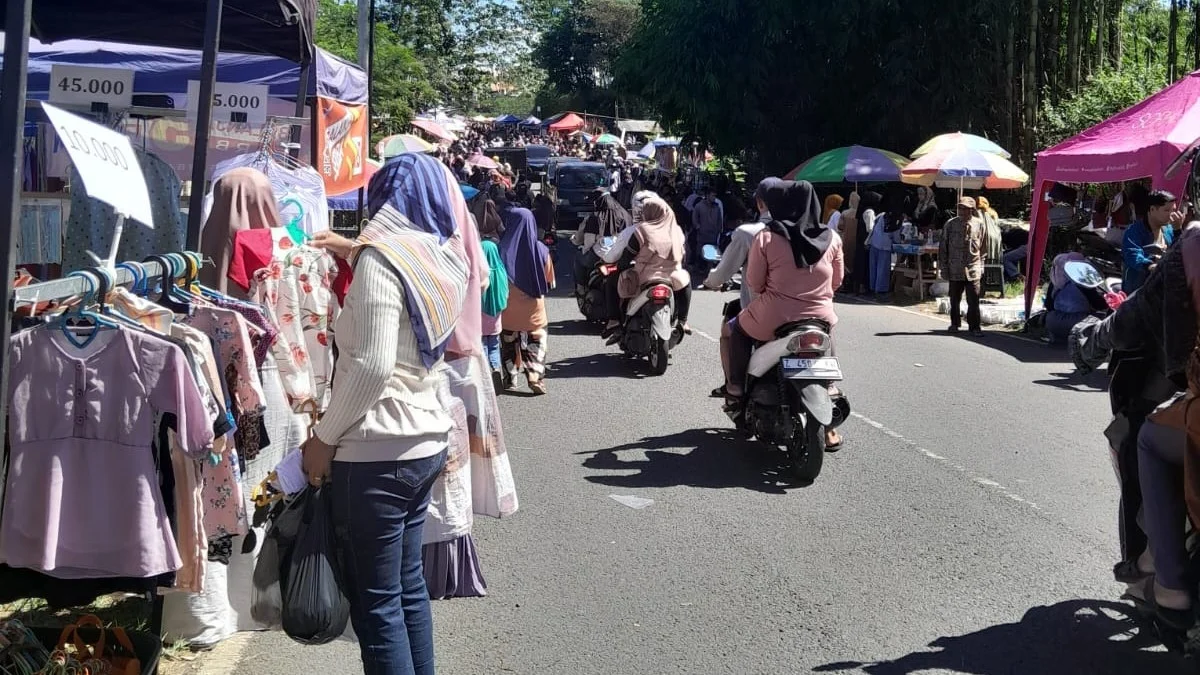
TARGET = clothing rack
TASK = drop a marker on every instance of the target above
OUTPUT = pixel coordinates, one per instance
(73, 286)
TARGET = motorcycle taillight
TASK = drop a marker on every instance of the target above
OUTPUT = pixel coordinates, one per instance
(660, 294)
(808, 342)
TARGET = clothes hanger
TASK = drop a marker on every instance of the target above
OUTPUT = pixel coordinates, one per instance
(71, 320)
(294, 230)
(168, 282)
(107, 285)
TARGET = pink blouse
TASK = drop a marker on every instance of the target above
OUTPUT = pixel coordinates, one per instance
(83, 497)
(785, 292)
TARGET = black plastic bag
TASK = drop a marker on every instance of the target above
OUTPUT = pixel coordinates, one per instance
(315, 610)
(284, 518)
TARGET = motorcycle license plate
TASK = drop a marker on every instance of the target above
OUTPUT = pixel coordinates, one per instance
(826, 368)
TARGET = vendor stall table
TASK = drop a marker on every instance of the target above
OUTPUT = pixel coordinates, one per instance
(917, 273)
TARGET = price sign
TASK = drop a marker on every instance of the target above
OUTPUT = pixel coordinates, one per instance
(86, 85)
(106, 163)
(230, 99)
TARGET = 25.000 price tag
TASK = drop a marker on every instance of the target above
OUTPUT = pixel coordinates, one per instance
(83, 85)
(106, 163)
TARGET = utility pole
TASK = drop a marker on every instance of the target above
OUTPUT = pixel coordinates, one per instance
(364, 32)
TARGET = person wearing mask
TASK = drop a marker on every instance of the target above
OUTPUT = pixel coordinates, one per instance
(654, 250)
(793, 268)
(383, 440)
(530, 277)
(960, 256)
(707, 223)
(1147, 238)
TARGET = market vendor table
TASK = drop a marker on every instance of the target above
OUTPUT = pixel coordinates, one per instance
(917, 251)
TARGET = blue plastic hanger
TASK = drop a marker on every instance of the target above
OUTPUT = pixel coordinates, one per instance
(65, 321)
(293, 227)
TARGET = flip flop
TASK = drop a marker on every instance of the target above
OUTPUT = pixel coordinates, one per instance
(719, 392)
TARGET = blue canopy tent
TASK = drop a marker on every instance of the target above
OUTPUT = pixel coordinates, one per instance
(507, 119)
(530, 121)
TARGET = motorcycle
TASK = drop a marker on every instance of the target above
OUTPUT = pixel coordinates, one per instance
(790, 400)
(590, 275)
(649, 327)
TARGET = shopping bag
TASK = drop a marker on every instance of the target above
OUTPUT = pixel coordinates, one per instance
(315, 610)
(266, 596)
(118, 656)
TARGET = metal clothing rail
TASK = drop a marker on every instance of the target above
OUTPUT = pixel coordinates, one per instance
(68, 287)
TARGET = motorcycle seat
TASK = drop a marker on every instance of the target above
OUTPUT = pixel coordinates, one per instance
(793, 326)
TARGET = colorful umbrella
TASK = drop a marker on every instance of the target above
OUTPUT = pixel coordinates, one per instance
(959, 140)
(853, 164)
(607, 139)
(964, 169)
(402, 143)
(482, 161)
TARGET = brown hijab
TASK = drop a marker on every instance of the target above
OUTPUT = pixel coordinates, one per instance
(242, 200)
(659, 231)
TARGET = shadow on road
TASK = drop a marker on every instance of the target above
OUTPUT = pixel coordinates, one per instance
(575, 327)
(605, 364)
(709, 458)
(1025, 351)
(1077, 637)
(1073, 381)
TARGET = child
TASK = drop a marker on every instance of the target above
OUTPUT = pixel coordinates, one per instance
(495, 299)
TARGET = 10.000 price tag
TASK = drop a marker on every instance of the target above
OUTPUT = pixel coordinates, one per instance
(106, 163)
(250, 100)
(84, 85)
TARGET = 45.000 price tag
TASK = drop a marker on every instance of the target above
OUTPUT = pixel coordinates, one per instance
(83, 85)
(106, 163)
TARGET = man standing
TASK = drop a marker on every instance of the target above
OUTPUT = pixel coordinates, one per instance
(960, 257)
(707, 223)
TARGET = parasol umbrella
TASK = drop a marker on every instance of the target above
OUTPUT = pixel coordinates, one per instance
(852, 164)
(482, 161)
(962, 169)
(402, 143)
(607, 139)
(959, 140)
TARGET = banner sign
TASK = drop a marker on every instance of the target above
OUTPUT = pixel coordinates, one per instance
(342, 130)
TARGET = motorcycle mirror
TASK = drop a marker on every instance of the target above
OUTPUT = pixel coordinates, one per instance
(1084, 274)
(710, 253)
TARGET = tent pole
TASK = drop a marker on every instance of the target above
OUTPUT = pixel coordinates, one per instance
(208, 82)
(369, 66)
(12, 134)
(301, 99)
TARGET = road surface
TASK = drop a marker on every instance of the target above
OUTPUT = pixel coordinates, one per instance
(967, 527)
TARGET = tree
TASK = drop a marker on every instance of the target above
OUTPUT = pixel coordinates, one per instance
(579, 50)
(400, 87)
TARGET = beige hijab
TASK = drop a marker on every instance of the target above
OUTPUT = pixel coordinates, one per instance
(850, 215)
(658, 230)
(242, 200)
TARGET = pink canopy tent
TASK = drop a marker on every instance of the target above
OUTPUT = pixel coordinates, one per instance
(1139, 142)
(571, 122)
(434, 129)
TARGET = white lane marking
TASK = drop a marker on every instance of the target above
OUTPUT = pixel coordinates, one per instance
(977, 479)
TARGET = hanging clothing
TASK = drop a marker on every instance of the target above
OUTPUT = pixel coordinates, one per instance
(242, 200)
(83, 419)
(303, 184)
(91, 224)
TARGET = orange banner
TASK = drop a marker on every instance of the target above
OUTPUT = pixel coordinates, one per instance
(341, 145)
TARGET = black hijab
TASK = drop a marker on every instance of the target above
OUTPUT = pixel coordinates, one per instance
(796, 214)
(868, 201)
(611, 217)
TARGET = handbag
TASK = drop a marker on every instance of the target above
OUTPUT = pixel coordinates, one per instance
(118, 658)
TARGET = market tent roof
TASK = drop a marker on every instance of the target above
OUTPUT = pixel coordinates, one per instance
(433, 129)
(508, 119)
(569, 122)
(247, 26)
(639, 126)
(166, 70)
(530, 121)
(1139, 142)
(553, 118)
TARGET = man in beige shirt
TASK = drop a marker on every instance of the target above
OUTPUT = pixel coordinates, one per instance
(960, 257)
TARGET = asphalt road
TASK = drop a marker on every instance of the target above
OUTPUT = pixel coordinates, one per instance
(967, 527)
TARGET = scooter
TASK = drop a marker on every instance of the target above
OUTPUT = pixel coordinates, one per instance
(650, 328)
(790, 401)
(589, 286)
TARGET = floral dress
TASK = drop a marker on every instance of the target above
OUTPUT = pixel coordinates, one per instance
(296, 289)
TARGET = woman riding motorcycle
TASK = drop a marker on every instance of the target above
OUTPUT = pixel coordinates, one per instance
(793, 268)
(654, 251)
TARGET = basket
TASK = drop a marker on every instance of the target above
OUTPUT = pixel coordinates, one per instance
(146, 646)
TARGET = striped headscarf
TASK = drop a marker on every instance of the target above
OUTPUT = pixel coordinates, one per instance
(415, 207)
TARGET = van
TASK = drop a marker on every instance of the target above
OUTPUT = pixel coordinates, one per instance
(571, 184)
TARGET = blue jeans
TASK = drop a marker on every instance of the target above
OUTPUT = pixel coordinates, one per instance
(1160, 472)
(881, 271)
(491, 345)
(379, 508)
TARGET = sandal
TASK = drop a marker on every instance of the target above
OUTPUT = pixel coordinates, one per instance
(719, 392)
(834, 447)
(1178, 621)
(1128, 572)
(538, 388)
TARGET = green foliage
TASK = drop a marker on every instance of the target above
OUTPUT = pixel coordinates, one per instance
(1105, 95)
(578, 49)
(401, 86)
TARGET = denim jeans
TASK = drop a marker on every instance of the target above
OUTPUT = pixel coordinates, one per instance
(379, 508)
(1160, 471)
(491, 344)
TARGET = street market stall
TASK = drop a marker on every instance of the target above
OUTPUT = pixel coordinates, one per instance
(1140, 142)
(568, 123)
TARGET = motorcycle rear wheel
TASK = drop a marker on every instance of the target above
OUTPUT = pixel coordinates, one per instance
(806, 449)
(660, 354)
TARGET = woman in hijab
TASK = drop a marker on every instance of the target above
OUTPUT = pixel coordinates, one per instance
(848, 229)
(832, 204)
(487, 216)
(793, 268)
(530, 276)
(868, 205)
(925, 199)
(242, 200)
(385, 423)
(655, 251)
(993, 243)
